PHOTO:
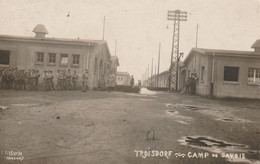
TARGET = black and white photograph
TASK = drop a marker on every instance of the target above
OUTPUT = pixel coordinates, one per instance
(130, 82)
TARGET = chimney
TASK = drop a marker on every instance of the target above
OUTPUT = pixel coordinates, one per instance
(256, 46)
(40, 31)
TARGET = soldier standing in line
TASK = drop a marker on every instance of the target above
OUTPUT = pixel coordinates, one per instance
(18, 80)
(74, 80)
(36, 80)
(50, 77)
(27, 79)
(22, 79)
(45, 81)
(9, 79)
(30, 79)
(2, 79)
(1, 76)
(68, 79)
(14, 77)
(5, 78)
(33, 79)
(85, 81)
(63, 82)
(59, 80)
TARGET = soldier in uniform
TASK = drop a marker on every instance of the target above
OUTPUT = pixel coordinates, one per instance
(32, 79)
(10, 79)
(27, 79)
(85, 81)
(45, 81)
(63, 82)
(139, 84)
(51, 80)
(18, 79)
(68, 79)
(4, 79)
(59, 80)
(132, 82)
(74, 80)
(36, 79)
(111, 81)
(1, 78)
(22, 79)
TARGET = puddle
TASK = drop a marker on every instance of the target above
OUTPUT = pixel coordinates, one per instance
(145, 91)
(202, 141)
(4, 107)
(25, 105)
(170, 106)
(232, 152)
(224, 115)
(146, 100)
(30, 105)
(173, 111)
(192, 108)
(187, 107)
(179, 118)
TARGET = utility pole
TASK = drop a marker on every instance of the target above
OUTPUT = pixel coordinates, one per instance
(104, 21)
(197, 32)
(155, 81)
(152, 73)
(176, 16)
(158, 65)
(115, 47)
(148, 76)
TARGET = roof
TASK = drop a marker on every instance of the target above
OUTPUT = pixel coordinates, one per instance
(234, 53)
(40, 28)
(52, 40)
(256, 44)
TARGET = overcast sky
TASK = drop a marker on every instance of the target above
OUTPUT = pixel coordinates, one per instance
(138, 25)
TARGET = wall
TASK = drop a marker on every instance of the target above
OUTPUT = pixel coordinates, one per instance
(241, 88)
(125, 79)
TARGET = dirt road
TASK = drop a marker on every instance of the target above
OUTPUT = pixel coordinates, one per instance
(116, 127)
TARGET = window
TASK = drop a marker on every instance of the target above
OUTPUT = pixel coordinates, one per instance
(4, 57)
(52, 57)
(254, 75)
(202, 73)
(64, 59)
(75, 59)
(231, 73)
(39, 57)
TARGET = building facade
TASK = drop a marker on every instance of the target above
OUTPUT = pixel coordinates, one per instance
(223, 73)
(123, 78)
(54, 54)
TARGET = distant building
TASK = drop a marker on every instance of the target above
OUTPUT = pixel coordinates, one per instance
(224, 73)
(123, 78)
(52, 54)
(160, 80)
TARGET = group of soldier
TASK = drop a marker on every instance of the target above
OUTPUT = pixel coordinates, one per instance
(13, 78)
(65, 80)
(20, 79)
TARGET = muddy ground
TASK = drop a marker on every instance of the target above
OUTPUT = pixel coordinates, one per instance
(116, 127)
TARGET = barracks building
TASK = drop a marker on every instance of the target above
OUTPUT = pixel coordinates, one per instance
(219, 73)
(224, 73)
(54, 54)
